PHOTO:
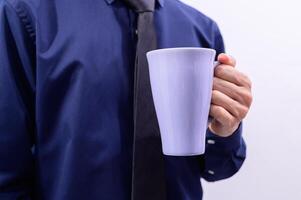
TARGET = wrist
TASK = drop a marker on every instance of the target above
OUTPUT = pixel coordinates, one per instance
(220, 130)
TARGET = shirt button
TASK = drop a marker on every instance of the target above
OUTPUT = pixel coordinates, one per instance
(210, 141)
(211, 172)
(136, 31)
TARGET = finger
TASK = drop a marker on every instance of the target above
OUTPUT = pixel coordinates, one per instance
(226, 59)
(238, 93)
(222, 115)
(236, 109)
(232, 75)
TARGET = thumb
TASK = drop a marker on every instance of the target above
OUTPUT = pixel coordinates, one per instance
(226, 59)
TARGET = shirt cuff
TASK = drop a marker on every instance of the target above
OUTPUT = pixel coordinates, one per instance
(229, 143)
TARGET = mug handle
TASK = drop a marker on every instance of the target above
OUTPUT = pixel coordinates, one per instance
(215, 64)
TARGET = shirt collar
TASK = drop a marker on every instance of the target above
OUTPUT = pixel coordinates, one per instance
(161, 2)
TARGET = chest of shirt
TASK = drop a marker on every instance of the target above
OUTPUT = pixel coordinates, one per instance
(87, 51)
(99, 38)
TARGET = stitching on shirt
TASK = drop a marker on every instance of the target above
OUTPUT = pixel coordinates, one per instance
(26, 17)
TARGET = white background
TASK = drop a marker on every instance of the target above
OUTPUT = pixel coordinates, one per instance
(265, 38)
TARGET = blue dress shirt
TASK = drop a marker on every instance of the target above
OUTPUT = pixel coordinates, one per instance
(66, 100)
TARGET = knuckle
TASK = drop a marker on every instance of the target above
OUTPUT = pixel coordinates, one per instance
(235, 77)
(243, 112)
(237, 112)
(218, 69)
(239, 94)
(244, 96)
(249, 83)
(219, 111)
(248, 98)
(214, 93)
(238, 78)
(221, 70)
(246, 80)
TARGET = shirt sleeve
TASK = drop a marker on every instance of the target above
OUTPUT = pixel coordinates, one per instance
(224, 156)
(17, 62)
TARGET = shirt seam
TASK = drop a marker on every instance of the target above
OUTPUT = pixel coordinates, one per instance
(25, 19)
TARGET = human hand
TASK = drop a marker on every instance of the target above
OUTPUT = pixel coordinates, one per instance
(231, 97)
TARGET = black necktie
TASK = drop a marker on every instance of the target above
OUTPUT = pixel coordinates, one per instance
(148, 181)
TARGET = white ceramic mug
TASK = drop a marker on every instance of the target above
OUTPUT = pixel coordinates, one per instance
(181, 82)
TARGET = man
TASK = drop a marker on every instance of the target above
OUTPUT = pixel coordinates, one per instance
(68, 101)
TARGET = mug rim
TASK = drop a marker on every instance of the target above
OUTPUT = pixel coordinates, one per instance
(181, 48)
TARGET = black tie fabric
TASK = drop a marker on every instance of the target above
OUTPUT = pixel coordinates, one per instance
(148, 180)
